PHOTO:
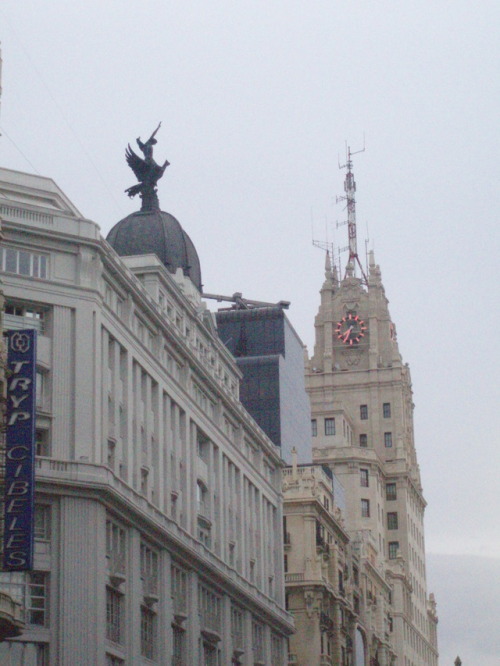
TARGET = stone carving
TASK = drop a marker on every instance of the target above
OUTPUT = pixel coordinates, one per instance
(147, 172)
(352, 356)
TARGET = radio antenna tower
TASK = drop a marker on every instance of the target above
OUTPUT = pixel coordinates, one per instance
(350, 198)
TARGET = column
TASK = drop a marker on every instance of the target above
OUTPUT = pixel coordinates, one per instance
(63, 388)
(81, 583)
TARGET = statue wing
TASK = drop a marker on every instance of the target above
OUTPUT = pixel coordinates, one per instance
(137, 164)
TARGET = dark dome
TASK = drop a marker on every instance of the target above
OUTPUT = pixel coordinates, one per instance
(156, 232)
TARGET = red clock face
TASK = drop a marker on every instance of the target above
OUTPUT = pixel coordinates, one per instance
(350, 329)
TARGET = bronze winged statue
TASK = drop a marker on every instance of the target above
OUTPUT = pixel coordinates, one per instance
(147, 172)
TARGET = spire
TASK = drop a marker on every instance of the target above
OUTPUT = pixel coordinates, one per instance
(350, 198)
(374, 273)
(331, 282)
(328, 265)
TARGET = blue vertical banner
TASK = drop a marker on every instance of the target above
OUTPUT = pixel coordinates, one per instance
(19, 496)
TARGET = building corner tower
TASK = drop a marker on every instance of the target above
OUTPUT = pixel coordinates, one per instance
(362, 424)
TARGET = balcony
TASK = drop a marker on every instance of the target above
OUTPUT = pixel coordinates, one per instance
(18, 322)
(150, 588)
(210, 623)
(203, 510)
(180, 609)
(116, 568)
(294, 578)
(322, 546)
(326, 622)
(11, 624)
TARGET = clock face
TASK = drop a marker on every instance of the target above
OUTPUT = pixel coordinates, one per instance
(350, 329)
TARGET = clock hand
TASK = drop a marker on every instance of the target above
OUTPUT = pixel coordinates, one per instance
(347, 334)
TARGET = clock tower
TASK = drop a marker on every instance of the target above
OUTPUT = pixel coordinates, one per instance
(362, 424)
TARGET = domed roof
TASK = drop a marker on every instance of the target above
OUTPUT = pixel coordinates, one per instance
(156, 232)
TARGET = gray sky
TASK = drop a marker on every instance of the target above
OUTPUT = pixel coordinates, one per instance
(257, 100)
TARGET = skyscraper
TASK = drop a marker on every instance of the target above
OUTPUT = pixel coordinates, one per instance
(362, 425)
(270, 356)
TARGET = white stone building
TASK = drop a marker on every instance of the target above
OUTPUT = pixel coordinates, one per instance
(159, 509)
(362, 424)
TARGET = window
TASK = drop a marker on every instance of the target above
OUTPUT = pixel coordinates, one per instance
(203, 445)
(390, 491)
(42, 447)
(21, 262)
(149, 570)
(210, 655)
(179, 591)
(356, 604)
(393, 549)
(201, 498)
(314, 427)
(365, 508)
(144, 481)
(386, 410)
(388, 440)
(114, 615)
(148, 633)
(18, 316)
(258, 643)
(41, 390)
(276, 649)
(210, 610)
(111, 453)
(178, 648)
(392, 520)
(115, 547)
(42, 522)
(363, 412)
(37, 598)
(231, 551)
(237, 627)
(330, 426)
(111, 660)
(363, 440)
(364, 478)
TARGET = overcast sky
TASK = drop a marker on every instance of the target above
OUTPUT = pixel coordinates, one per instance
(257, 101)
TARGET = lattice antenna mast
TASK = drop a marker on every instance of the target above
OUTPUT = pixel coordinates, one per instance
(350, 198)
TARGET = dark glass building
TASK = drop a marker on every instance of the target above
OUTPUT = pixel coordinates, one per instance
(270, 355)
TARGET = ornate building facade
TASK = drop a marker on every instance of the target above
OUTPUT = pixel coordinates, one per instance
(319, 592)
(158, 498)
(362, 425)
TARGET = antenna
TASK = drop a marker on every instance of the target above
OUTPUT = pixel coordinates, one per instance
(350, 191)
(324, 245)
